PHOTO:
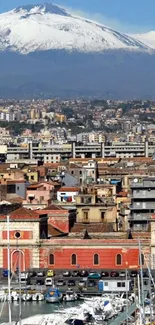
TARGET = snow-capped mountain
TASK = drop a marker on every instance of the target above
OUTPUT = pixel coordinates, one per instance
(49, 27)
(46, 51)
(147, 38)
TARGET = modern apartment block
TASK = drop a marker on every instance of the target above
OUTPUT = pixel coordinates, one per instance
(142, 203)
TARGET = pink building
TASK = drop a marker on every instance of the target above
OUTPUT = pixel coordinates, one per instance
(39, 195)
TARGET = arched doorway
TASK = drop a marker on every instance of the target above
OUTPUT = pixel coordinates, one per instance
(17, 260)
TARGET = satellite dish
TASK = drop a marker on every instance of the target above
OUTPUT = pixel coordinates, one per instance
(135, 180)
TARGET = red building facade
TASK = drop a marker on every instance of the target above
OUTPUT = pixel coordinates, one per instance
(62, 251)
(92, 254)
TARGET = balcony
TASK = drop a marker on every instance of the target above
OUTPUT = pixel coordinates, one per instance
(140, 217)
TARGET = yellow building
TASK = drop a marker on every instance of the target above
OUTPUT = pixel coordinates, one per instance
(32, 175)
(60, 118)
(92, 209)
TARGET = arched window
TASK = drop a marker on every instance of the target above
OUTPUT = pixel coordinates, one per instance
(96, 259)
(141, 260)
(51, 259)
(119, 259)
(73, 259)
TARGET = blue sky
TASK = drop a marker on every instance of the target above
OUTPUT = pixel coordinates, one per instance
(124, 15)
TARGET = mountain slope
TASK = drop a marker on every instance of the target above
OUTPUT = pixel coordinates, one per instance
(147, 38)
(49, 27)
(47, 52)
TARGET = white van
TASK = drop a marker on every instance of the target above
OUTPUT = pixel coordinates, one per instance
(49, 282)
(23, 277)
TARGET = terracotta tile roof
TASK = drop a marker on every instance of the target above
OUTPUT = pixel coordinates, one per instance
(14, 198)
(54, 232)
(92, 228)
(34, 186)
(94, 159)
(69, 189)
(53, 207)
(52, 165)
(23, 213)
(122, 194)
(9, 181)
(78, 242)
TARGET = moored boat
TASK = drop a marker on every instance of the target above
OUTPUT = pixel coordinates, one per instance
(26, 297)
(70, 295)
(37, 297)
(53, 295)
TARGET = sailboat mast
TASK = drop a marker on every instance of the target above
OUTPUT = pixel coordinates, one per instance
(141, 278)
(20, 293)
(9, 273)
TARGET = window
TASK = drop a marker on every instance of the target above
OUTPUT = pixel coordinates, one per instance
(119, 259)
(73, 259)
(88, 200)
(32, 177)
(80, 172)
(51, 259)
(119, 284)
(17, 235)
(72, 172)
(141, 260)
(17, 188)
(82, 199)
(106, 284)
(85, 215)
(102, 215)
(96, 259)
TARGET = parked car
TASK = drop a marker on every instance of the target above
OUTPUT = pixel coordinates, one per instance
(40, 281)
(104, 274)
(5, 273)
(91, 283)
(123, 274)
(114, 274)
(71, 283)
(32, 274)
(94, 275)
(66, 273)
(41, 273)
(133, 273)
(50, 273)
(60, 283)
(76, 273)
(145, 274)
(84, 273)
(24, 277)
(48, 281)
(82, 283)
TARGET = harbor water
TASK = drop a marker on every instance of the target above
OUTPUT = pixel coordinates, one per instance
(32, 308)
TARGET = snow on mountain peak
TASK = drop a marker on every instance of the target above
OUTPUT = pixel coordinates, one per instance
(147, 38)
(45, 8)
(50, 27)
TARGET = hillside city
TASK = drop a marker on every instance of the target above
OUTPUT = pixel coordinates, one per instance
(77, 163)
(76, 177)
(86, 121)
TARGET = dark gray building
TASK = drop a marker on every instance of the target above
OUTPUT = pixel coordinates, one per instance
(142, 203)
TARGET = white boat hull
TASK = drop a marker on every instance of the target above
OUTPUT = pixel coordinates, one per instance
(38, 297)
(53, 299)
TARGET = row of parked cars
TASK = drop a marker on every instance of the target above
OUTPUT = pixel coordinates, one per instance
(78, 273)
(98, 275)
